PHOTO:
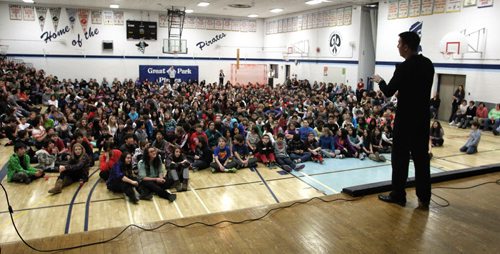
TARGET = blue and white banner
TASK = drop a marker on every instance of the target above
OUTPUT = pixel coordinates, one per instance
(159, 73)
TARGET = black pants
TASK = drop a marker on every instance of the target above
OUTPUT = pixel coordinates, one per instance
(418, 146)
(437, 142)
(172, 80)
(200, 164)
(104, 175)
(73, 176)
(285, 161)
(157, 188)
(122, 187)
(454, 108)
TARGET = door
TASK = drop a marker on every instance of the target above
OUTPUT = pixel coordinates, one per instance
(447, 85)
(287, 72)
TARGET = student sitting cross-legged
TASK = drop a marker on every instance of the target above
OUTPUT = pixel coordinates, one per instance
(241, 153)
(470, 146)
(282, 156)
(222, 155)
(77, 169)
(297, 150)
(153, 176)
(265, 151)
(314, 148)
(19, 168)
(122, 178)
(202, 156)
(178, 169)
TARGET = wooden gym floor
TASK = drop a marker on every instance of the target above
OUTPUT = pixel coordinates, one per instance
(92, 207)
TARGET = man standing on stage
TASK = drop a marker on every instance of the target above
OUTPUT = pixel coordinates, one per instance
(412, 80)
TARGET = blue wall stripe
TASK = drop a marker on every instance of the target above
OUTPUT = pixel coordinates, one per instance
(317, 61)
(452, 65)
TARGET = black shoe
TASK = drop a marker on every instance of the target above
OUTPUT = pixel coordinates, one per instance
(172, 197)
(287, 168)
(390, 199)
(178, 187)
(423, 205)
(134, 200)
(146, 196)
(495, 132)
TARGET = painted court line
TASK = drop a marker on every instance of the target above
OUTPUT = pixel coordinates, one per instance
(198, 197)
(318, 182)
(70, 208)
(267, 186)
(59, 205)
(157, 208)
(87, 206)
(129, 211)
(178, 210)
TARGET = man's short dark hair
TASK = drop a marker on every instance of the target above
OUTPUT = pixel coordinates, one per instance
(411, 39)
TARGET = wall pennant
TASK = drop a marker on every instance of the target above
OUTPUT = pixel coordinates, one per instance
(41, 14)
(72, 17)
(83, 16)
(55, 14)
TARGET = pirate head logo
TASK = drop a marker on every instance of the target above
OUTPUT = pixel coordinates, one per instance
(141, 46)
(72, 19)
(55, 18)
(335, 43)
(41, 18)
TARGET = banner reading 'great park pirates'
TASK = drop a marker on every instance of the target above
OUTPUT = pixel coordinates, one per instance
(160, 74)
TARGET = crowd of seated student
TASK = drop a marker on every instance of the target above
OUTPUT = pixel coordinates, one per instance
(151, 135)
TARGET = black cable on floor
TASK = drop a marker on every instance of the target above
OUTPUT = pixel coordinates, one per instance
(447, 203)
(11, 211)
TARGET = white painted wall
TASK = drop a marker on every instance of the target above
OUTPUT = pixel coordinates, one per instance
(23, 37)
(319, 38)
(481, 85)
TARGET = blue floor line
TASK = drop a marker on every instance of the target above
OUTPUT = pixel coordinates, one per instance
(267, 186)
(70, 208)
(87, 206)
(3, 172)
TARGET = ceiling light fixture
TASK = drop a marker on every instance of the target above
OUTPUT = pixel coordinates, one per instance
(277, 10)
(189, 11)
(203, 4)
(252, 15)
(114, 6)
(29, 1)
(314, 2)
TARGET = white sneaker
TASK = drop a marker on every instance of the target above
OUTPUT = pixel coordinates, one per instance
(452, 123)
